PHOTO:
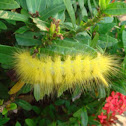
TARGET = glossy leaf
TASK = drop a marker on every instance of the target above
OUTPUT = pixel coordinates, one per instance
(25, 89)
(17, 124)
(84, 117)
(8, 4)
(36, 5)
(124, 39)
(30, 122)
(70, 10)
(82, 7)
(106, 41)
(95, 40)
(51, 11)
(2, 26)
(101, 92)
(40, 24)
(36, 109)
(6, 59)
(22, 3)
(25, 105)
(13, 16)
(27, 39)
(7, 49)
(37, 92)
(5, 111)
(3, 121)
(13, 106)
(6, 53)
(106, 26)
(74, 45)
(102, 4)
(119, 88)
(116, 8)
(89, 6)
(21, 30)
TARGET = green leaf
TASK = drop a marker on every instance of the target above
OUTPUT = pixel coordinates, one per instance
(89, 6)
(91, 121)
(77, 93)
(78, 113)
(27, 39)
(25, 89)
(8, 4)
(6, 53)
(81, 3)
(13, 106)
(6, 59)
(3, 91)
(70, 10)
(17, 124)
(102, 4)
(5, 111)
(68, 25)
(37, 90)
(108, 1)
(95, 3)
(59, 102)
(106, 26)
(31, 4)
(36, 5)
(36, 109)
(40, 24)
(30, 122)
(94, 41)
(67, 48)
(72, 44)
(51, 11)
(101, 92)
(21, 30)
(52, 124)
(60, 15)
(107, 20)
(84, 117)
(81, 114)
(83, 9)
(22, 3)
(13, 16)
(1, 102)
(2, 26)
(3, 121)
(116, 8)
(106, 41)
(8, 50)
(119, 88)
(124, 39)
(25, 105)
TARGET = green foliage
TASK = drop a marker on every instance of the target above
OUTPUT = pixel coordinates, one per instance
(116, 8)
(13, 16)
(86, 26)
(25, 105)
(11, 4)
(70, 10)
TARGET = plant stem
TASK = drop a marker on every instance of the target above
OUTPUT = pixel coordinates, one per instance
(91, 22)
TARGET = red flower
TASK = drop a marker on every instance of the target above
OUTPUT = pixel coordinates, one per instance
(102, 117)
(115, 104)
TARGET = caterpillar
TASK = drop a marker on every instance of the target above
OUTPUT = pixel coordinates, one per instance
(50, 73)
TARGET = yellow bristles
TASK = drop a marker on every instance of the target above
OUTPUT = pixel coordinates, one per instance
(52, 73)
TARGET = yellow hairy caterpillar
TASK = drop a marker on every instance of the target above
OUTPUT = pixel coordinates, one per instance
(50, 73)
